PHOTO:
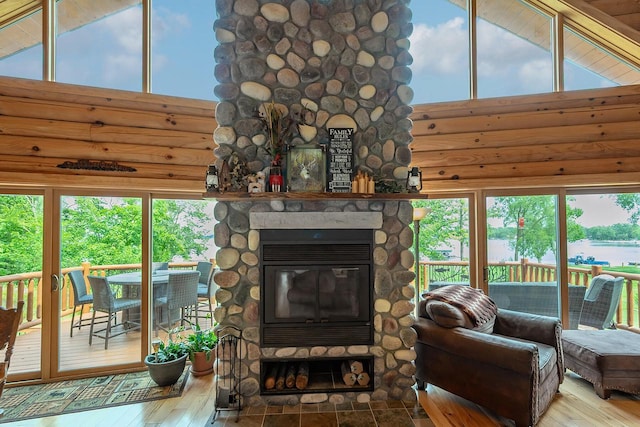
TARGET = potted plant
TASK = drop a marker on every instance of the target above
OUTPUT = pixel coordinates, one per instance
(201, 345)
(167, 361)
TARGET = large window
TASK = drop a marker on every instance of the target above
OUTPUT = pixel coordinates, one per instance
(21, 47)
(443, 242)
(105, 52)
(100, 43)
(606, 241)
(440, 50)
(513, 59)
(513, 53)
(182, 45)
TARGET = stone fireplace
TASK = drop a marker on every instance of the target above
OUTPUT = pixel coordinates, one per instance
(345, 64)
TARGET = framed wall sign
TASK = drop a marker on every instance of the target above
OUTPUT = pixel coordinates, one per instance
(340, 168)
(306, 168)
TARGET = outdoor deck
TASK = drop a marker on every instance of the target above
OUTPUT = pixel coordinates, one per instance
(76, 353)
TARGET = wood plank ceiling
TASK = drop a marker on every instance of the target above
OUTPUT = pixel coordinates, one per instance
(21, 20)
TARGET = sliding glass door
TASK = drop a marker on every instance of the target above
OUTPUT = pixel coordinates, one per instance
(522, 253)
(100, 259)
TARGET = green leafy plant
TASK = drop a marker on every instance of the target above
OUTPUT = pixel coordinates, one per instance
(171, 350)
(204, 340)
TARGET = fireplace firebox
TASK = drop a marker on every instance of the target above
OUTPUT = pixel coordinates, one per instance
(316, 287)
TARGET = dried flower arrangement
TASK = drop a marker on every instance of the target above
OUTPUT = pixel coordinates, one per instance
(279, 127)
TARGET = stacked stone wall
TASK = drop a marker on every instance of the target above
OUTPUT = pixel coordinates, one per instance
(239, 296)
(333, 63)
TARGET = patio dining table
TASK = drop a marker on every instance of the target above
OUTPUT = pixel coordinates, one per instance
(131, 284)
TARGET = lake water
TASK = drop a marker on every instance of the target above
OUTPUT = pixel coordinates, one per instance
(617, 253)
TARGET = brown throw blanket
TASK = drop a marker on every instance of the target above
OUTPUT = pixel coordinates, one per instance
(478, 306)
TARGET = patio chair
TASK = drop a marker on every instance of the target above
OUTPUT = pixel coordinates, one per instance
(9, 322)
(181, 296)
(601, 301)
(105, 301)
(155, 266)
(205, 289)
(80, 298)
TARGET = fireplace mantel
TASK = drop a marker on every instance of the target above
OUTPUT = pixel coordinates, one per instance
(235, 196)
(315, 220)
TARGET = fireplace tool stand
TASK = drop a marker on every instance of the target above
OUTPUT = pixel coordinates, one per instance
(228, 375)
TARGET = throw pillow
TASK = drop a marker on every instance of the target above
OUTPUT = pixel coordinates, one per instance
(449, 316)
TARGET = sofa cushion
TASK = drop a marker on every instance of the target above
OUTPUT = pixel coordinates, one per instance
(449, 316)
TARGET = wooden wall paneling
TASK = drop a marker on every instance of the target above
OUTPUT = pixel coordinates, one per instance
(515, 137)
(76, 150)
(532, 153)
(49, 166)
(98, 181)
(528, 120)
(510, 104)
(89, 113)
(51, 91)
(168, 140)
(98, 132)
(541, 170)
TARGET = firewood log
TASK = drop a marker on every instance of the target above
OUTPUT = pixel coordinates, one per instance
(290, 378)
(302, 378)
(270, 378)
(348, 377)
(282, 371)
(356, 366)
(363, 378)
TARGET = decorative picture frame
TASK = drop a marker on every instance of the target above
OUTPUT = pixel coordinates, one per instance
(306, 168)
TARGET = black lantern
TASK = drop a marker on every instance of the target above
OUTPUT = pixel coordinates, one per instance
(414, 180)
(212, 180)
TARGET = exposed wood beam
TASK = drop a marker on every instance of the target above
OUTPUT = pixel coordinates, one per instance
(602, 28)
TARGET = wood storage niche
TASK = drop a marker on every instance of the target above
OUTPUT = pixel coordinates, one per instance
(316, 375)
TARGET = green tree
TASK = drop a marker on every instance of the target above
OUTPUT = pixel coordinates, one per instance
(539, 232)
(447, 221)
(630, 202)
(180, 229)
(20, 233)
(104, 230)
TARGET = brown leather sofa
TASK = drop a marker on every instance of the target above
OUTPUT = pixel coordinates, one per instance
(514, 371)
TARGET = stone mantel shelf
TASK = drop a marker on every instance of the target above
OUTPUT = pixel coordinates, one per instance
(235, 196)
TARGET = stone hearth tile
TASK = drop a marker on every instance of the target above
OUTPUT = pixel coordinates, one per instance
(360, 406)
(274, 409)
(281, 420)
(379, 404)
(254, 410)
(324, 419)
(326, 407)
(397, 404)
(291, 409)
(346, 406)
(393, 418)
(356, 419)
(309, 407)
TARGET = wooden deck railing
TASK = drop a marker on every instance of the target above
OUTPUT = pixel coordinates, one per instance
(28, 287)
(628, 312)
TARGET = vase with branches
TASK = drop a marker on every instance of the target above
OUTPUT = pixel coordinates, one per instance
(279, 127)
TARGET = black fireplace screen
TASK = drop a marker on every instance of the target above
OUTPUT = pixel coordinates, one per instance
(316, 287)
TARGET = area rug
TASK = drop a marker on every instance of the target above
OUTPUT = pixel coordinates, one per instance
(43, 400)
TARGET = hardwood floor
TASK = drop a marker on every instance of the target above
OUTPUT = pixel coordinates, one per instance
(576, 405)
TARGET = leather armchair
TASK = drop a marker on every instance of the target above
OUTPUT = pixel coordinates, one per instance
(514, 371)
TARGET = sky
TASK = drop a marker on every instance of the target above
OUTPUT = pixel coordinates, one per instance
(108, 54)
